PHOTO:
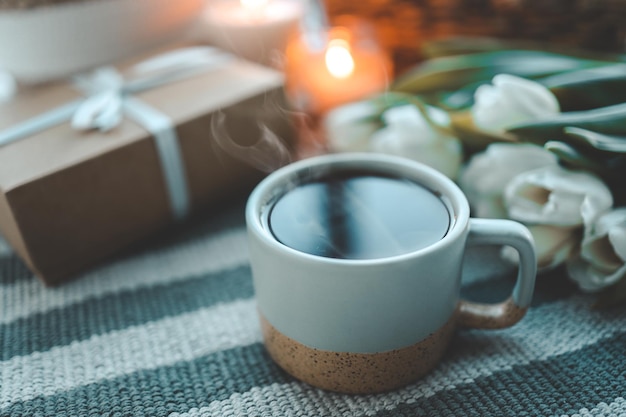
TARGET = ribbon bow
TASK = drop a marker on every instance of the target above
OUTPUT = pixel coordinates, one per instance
(107, 89)
(109, 96)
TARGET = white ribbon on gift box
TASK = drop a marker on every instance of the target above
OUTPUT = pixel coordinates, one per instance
(109, 97)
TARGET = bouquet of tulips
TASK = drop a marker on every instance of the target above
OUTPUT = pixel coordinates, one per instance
(533, 135)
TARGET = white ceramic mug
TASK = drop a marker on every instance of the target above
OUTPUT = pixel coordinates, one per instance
(371, 325)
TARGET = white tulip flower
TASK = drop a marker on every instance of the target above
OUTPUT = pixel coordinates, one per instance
(511, 100)
(8, 86)
(602, 259)
(407, 133)
(556, 196)
(487, 174)
(349, 127)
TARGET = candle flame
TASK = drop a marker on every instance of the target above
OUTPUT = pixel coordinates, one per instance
(253, 4)
(339, 61)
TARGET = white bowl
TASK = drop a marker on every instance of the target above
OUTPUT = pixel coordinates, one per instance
(52, 42)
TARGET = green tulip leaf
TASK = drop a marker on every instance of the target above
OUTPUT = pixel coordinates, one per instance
(453, 72)
(575, 90)
(610, 120)
(437, 118)
(589, 88)
(598, 141)
(460, 99)
(572, 158)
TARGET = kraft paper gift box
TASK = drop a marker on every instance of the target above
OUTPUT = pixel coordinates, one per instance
(70, 199)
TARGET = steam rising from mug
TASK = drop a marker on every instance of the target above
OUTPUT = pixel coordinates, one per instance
(266, 154)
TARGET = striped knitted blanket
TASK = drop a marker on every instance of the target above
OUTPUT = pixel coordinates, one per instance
(171, 330)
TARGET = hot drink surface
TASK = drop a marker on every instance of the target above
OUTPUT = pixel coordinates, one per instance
(359, 215)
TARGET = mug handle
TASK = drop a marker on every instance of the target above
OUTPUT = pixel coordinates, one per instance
(510, 311)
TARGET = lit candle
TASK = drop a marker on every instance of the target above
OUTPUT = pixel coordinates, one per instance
(257, 30)
(348, 67)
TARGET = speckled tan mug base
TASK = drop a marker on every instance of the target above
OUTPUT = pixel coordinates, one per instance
(357, 373)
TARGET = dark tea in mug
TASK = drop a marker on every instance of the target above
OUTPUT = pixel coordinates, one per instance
(358, 215)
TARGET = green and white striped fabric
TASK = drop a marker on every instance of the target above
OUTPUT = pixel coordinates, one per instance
(172, 331)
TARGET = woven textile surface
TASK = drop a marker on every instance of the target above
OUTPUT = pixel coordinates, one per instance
(171, 330)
